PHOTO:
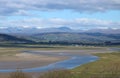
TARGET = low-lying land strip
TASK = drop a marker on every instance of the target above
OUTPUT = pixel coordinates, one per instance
(108, 65)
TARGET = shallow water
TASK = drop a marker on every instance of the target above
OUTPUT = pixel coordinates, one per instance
(74, 61)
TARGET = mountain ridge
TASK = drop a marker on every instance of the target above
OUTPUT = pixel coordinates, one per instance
(34, 30)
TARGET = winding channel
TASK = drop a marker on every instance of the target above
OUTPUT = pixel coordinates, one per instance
(74, 61)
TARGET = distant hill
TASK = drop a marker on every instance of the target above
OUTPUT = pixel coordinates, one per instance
(35, 30)
(105, 31)
(4, 38)
(75, 37)
(58, 34)
(62, 37)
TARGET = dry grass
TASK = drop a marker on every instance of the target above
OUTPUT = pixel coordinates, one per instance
(18, 74)
(57, 74)
(107, 67)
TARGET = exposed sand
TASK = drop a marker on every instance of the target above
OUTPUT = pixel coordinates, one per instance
(27, 60)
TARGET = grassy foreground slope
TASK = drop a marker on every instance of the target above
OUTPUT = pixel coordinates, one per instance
(108, 66)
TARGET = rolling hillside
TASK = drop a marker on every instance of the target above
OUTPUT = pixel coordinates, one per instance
(76, 37)
(4, 38)
(62, 38)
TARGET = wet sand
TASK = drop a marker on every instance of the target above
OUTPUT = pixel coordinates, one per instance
(28, 60)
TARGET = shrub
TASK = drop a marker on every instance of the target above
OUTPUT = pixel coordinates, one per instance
(57, 74)
(18, 74)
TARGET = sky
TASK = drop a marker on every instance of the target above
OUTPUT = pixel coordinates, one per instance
(76, 14)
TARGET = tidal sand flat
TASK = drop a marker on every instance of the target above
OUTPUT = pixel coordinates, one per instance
(26, 58)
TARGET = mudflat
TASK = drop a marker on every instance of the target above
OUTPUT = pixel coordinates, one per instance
(21, 60)
(26, 60)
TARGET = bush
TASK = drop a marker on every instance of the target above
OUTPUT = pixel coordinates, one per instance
(57, 74)
(18, 74)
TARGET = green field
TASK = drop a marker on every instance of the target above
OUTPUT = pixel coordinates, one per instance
(108, 66)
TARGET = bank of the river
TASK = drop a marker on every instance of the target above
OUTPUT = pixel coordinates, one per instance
(78, 52)
(108, 66)
(72, 61)
(35, 61)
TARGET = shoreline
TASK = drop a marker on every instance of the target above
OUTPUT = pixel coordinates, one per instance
(80, 52)
(27, 60)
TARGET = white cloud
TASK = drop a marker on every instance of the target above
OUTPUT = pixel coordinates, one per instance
(10, 7)
(3, 27)
(58, 22)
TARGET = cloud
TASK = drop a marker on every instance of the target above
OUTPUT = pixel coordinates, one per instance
(12, 7)
(78, 23)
